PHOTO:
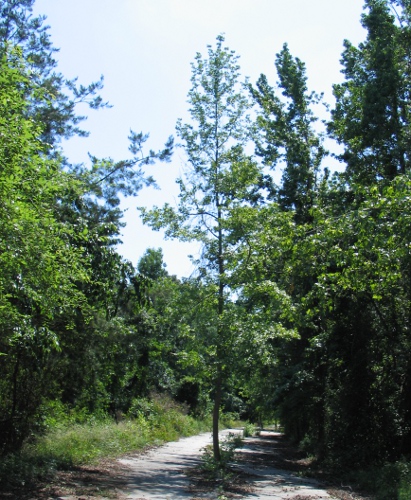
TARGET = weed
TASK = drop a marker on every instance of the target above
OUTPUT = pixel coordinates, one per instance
(249, 429)
(220, 469)
(230, 420)
(68, 443)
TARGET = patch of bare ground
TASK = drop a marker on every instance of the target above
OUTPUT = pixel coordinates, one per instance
(234, 484)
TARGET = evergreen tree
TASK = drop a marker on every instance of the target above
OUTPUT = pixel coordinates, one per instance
(151, 264)
(63, 282)
(288, 137)
(18, 27)
(371, 116)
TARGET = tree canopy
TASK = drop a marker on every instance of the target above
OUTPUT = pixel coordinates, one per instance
(299, 308)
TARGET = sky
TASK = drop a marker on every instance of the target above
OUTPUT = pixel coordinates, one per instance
(144, 49)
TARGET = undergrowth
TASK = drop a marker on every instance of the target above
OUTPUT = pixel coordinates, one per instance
(391, 481)
(249, 429)
(73, 439)
(219, 469)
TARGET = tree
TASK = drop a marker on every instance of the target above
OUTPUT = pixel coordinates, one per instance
(62, 279)
(221, 176)
(360, 307)
(371, 115)
(39, 266)
(287, 134)
(56, 111)
(288, 138)
(359, 299)
(18, 27)
(151, 264)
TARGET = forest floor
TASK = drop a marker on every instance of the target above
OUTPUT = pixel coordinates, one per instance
(266, 467)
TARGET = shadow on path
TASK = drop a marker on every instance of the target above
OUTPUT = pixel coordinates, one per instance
(273, 468)
(266, 468)
(159, 474)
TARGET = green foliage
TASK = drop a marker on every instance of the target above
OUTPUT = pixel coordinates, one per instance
(39, 269)
(221, 178)
(301, 303)
(80, 444)
(249, 429)
(62, 284)
(385, 482)
(57, 114)
(363, 302)
(151, 264)
(56, 415)
(287, 136)
(68, 443)
(338, 382)
(220, 468)
(371, 116)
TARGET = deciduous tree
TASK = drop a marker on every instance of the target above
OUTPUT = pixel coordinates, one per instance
(219, 177)
(39, 267)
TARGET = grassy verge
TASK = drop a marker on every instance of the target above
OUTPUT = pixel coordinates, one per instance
(68, 444)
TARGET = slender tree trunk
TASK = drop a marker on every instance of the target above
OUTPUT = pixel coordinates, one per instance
(216, 415)
(219, 378)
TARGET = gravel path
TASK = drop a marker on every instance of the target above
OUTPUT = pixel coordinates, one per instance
(160, 473)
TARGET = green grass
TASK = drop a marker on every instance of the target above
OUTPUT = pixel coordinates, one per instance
(81, 444)
(66, 445)
(74, 437)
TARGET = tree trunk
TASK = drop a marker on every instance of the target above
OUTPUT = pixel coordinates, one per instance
(216, 416)
(219, 378)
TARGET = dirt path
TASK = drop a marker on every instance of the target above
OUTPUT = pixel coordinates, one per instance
(266, 468)
(161, 474)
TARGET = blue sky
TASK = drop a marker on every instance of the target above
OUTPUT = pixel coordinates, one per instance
(144, 49)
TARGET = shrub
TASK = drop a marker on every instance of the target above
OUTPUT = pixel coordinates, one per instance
(391, 481)
(66, 443)
(227, 450)
(249, 429)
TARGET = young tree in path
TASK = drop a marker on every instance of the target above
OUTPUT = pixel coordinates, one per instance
(220, 177)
